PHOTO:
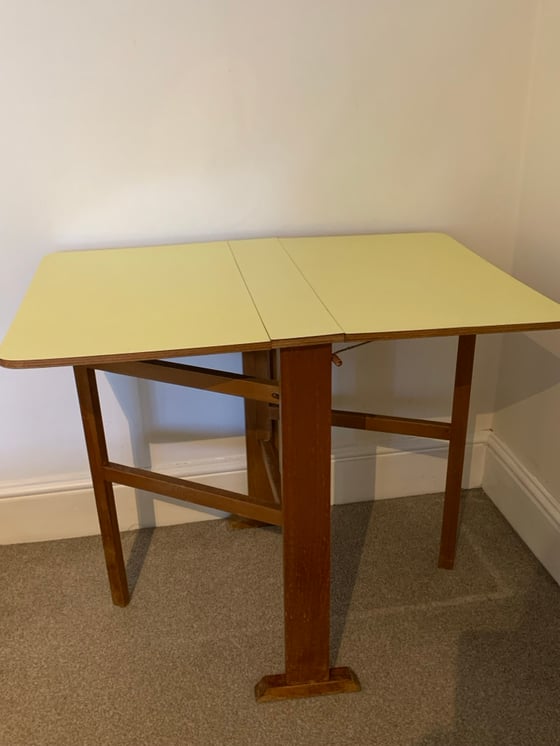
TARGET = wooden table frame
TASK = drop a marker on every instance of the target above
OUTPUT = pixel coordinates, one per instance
(292, 491)
(282, 302)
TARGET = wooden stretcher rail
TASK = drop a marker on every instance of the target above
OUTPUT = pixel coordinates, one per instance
(385, 424)
(182, 489)
(220, 382)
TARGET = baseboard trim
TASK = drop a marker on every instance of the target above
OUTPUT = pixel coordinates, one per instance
(527, 505)
(64, 507)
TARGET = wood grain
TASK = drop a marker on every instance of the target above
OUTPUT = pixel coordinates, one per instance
(305, 405)
(218, 382)
(386, 424)
(456, 456)
(90, 409)
(341, 680)
(257, 427)
(272, 467)
(193, 492)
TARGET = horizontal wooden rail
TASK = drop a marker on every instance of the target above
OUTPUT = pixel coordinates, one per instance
(220, 382)
(199, 494)
(385, 424)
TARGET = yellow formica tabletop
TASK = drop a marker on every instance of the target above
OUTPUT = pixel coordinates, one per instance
(163, 301)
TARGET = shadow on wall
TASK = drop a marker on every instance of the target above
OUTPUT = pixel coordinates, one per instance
(126, 393)
(159, 414)
(410, 378)
(177, 414)
(528, 402)
(413, 378)
(530, 365)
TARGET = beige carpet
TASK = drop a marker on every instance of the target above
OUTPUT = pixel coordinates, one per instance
(468, 657)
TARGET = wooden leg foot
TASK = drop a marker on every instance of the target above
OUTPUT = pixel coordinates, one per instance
(341, 681)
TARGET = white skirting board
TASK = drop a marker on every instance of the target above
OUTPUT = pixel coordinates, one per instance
(526, 504)
(65, 507)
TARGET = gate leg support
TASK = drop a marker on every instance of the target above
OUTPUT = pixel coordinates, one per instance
(257, 428)
(305, 402)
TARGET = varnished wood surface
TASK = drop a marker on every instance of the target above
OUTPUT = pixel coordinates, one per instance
(90, 408)
(388, 424)
(218, 382)
(257, 427)
(456, 455)
(193, 492)
(341, 680)
(272, 466)
(305, 403)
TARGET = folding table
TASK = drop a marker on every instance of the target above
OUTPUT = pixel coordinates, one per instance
(127, 311)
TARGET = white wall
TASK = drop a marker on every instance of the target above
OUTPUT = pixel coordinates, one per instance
(127, 122)
(524, 472)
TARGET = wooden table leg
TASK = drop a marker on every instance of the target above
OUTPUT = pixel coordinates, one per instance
(257, 428)
(305, 402)
(456, 457)
(104, 497)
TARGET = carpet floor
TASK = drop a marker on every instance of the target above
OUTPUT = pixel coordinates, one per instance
(465, 657)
